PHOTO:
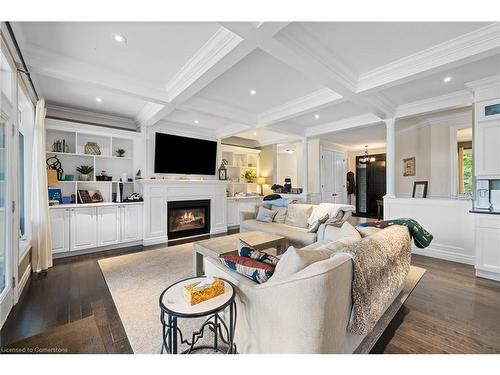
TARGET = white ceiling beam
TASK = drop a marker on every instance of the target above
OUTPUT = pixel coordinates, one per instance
(216, 57)
(228, 131)
(216, 108)
(302, 52)
(348, 123)
(67, 69)
(476, 45)
(313, 101)
(457, 99)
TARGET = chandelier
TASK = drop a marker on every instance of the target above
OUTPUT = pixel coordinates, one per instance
(366, 159)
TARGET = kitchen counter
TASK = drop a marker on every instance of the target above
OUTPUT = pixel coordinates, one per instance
(485, 211)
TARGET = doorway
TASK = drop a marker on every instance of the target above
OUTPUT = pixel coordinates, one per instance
(371, 184)
(333, 176)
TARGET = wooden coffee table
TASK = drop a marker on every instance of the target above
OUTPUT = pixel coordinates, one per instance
(216, 247)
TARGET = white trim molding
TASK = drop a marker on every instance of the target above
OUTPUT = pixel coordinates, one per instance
(313, 101)
(457, 99)
(472, 46)
(218, 46)
(348, 123)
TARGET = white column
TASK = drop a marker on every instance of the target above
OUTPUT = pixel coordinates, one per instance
(390, 164)
(305, 166)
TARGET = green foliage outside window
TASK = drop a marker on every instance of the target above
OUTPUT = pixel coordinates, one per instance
(467, 173)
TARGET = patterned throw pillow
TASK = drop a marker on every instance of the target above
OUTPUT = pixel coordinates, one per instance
(245, 250)
(257, 271)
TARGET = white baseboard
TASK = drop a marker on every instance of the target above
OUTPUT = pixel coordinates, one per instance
(154, 241)
(23, 280)
(96, 249)
(488, 275)
(445, 252)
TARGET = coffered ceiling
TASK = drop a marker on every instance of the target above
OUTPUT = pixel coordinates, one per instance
(269, 82)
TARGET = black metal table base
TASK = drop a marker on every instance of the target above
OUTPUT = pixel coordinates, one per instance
(223, 333)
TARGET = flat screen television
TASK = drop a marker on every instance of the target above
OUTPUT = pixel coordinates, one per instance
(183, 155)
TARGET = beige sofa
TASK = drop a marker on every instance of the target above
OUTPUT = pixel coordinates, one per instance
(308, 312)
(295, 236)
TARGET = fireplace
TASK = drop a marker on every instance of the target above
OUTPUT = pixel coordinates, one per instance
(188, 218)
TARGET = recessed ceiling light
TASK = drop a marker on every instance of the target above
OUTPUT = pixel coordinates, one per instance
(253, 92)
(254, 133)
(289, 150)
(446, 79)
(196, 121)
(120, 38)
(98, 100)
(316, 116)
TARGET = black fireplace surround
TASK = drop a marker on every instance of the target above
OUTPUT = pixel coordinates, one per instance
(188, 218)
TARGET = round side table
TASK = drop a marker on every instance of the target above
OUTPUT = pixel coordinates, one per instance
(173, 305)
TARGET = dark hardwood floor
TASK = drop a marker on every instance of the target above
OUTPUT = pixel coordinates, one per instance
(450, 311)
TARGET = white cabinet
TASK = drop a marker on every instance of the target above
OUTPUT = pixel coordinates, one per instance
(487, 141)
(487, 245)
(81, 228)
(236, 206)
(108, 225)
(83, 224)
(131, 222)
(59, 223)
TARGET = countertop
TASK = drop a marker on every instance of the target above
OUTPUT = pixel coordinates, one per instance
(485, 211)
(100, 204)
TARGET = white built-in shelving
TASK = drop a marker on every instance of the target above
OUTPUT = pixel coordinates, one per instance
(240, 160)
(108, 160)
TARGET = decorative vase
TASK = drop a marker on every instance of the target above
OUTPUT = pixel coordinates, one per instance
(84, 177)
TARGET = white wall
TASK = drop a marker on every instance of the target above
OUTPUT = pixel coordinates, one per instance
(429, 143)
(290, 165)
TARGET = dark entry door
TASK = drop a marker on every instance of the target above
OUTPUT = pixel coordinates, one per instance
(371, 184)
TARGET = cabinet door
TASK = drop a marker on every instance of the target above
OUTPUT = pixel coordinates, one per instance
(488, 249)
(83, 224)
(486, 149)
(59, 224)
(108, 225)
(233, 212)
(131, 222)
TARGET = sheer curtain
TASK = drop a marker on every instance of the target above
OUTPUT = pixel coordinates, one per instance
(41, 238)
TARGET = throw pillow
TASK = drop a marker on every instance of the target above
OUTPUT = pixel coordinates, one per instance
(337, 219)
(246, 250)
(294, 260)
(280, 216)
(334, 233)
(253, 269)
(265, 215)
(298, 214)
(280, 202)
(314, 227)
(367, 231)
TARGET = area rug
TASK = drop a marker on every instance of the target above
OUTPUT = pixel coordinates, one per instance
(80, 336)
(136, 282)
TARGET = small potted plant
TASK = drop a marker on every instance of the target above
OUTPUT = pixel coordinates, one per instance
(85, 171)
(250, 175)
(120, 152)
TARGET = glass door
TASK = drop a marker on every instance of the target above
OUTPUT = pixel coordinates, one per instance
(8, 114)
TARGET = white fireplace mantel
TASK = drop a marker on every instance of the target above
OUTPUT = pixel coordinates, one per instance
(158, 192)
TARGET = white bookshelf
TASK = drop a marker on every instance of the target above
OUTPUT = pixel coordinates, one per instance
(108, 160)
(240, 160)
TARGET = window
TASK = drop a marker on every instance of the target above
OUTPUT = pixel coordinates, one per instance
(465, 167)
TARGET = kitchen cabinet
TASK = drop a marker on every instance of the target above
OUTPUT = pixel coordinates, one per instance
(487, 245)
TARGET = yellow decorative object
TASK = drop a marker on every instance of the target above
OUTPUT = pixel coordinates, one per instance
(52, 177)
(199, 292)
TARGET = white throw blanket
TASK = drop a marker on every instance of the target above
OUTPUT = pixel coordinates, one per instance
(332, 209)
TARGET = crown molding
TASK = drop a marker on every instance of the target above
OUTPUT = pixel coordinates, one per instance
(479, 43)
(89, 117)
(216, 108)
(218, 46)
(301, 40)
(230, 130)
(299, 106)
(177, 128)
(457, 99)
(46, 63)
(485, 89)
(484, 83)
(348, 123)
